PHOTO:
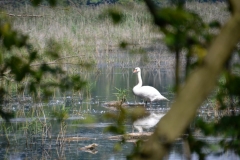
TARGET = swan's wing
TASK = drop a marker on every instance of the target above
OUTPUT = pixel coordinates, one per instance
(147, 92)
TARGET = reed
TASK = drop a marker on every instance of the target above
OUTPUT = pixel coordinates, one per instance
(89, 34)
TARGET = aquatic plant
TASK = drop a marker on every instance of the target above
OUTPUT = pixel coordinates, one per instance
(121, 94)
(61, 115)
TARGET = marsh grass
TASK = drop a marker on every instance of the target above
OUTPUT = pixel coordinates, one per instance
(89, 34)
(82, 29)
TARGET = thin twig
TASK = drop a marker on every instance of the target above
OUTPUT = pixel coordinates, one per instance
(26, 15)
(53, 63)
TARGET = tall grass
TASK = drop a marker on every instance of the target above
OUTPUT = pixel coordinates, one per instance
(81, 29)
(87, 32)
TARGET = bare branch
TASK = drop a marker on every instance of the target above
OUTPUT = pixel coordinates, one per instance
(15, 15)
(53, 63)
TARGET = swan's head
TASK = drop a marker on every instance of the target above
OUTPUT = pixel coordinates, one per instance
(136, 70)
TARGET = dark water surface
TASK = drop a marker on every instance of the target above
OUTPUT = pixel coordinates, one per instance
(24, 145)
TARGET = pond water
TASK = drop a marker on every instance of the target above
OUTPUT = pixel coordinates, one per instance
(30, 144)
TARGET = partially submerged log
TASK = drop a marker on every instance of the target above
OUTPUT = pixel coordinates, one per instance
(76, 139)
(90, 148)
(115, 105)
(132, 137)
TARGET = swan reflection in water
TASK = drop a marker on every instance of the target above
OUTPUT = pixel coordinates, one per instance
(147, 122)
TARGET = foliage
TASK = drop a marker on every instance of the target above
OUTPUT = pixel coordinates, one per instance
(227, 98)
(30, 67)
(121, 94)
(60, 115)
(120, 119)
(37, 2)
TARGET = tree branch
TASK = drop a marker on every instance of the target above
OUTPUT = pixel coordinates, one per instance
(196, 89)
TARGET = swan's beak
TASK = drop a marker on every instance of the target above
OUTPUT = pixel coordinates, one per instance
(134, 71)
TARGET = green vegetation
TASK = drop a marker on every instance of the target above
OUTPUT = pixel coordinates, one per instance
(84, 32)
(86, 35)
(121, 94)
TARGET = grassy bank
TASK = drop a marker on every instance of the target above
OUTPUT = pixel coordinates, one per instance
(89, 34)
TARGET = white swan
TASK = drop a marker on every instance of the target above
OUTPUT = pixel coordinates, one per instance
(147, 92)
(147, 122)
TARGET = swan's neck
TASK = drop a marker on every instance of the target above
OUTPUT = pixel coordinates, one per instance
(139, 80)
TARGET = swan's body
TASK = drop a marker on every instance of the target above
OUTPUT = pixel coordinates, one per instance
(147, 122)
(146, 92)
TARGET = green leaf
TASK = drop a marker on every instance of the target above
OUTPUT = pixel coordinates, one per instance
(36, 2)
(123, 44)
(215, 24)
(116, 15)
(52, 2)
